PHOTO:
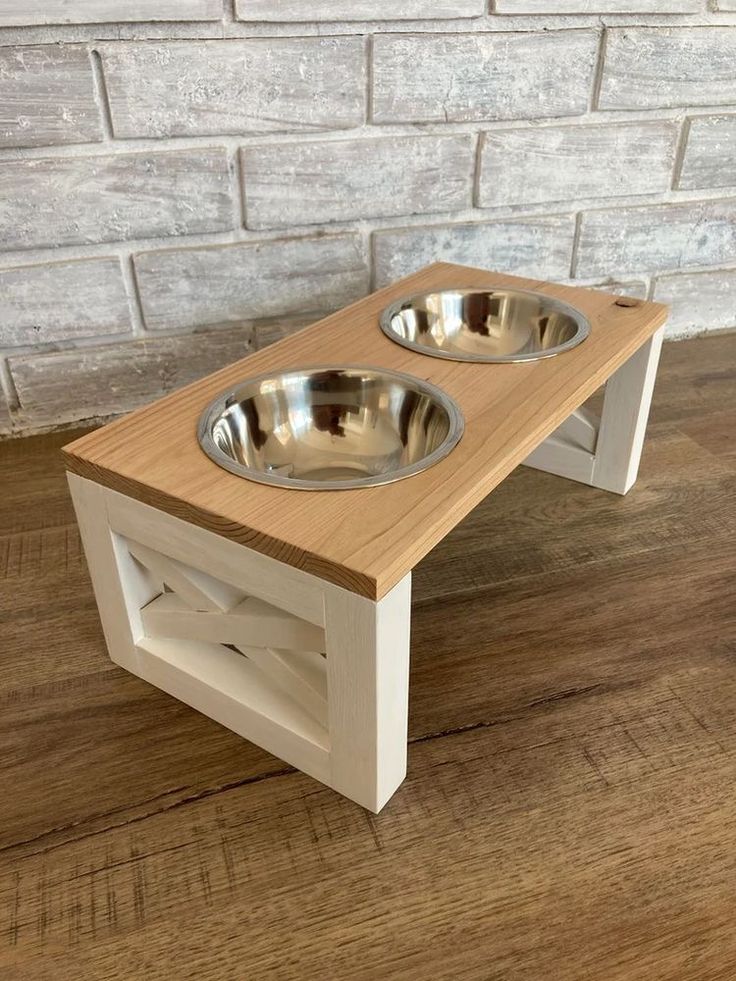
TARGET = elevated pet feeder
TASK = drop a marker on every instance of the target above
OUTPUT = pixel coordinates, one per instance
(285, 615)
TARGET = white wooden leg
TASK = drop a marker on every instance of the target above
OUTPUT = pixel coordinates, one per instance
(121, 588)
(624, 419)
(606, 454)
(368, 692)
(313, 673)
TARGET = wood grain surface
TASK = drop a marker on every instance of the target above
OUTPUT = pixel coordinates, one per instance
(367, 540)
(569, 810)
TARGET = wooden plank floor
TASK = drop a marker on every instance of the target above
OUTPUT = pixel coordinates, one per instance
(569, 810)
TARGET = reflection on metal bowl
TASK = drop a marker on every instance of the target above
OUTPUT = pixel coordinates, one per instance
(330, 428)
(484, 325)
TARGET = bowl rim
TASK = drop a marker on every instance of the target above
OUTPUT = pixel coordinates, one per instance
(582, 324)
(217, 406)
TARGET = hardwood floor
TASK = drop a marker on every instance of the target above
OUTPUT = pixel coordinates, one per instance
(569, 810)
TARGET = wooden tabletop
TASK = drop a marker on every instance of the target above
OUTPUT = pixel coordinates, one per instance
(367, 540)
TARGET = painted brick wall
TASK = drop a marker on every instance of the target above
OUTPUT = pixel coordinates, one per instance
(183, 181)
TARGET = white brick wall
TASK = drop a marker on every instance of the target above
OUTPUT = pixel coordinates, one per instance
(182, 181)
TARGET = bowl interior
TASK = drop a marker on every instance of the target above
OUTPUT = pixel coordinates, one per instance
(330, 427)
(485, 325)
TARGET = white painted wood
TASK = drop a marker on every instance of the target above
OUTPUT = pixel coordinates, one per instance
(564, 459)
(229, 689)
(252, 622)
(120, 588)
(256, 575)
(368, 689)
(606, 455)
(580, 429)
(196, 588)
(340, 718)
(624, 418)
(302, 675)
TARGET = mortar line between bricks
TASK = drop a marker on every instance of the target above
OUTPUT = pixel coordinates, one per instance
(369, 54)
(97, 342)
(114, 342)
(477, 167)
(229, 15)
(220, 28)
(237, 188)
(575, 243)
(527, 214)
(305, 318)
(372, 266)
(598, 74)
(101, 97)
(681, 150)
(132, 291)
(366, 131)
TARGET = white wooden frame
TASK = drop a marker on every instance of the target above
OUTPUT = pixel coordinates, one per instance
(339, 714)
(605, 453)
(314, 673)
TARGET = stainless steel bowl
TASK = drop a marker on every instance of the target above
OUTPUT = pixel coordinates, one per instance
(484, 325)
(330, 428)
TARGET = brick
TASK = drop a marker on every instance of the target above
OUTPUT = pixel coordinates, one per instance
(599, 7)
(70, 200)
(465, 77)
(236, 283)
(289, 11)
(60, 301)
(528, 247)
(19, 13)
(710, 154)
(272, 85)
(562, 163)
(308, 183)
(47, 96)
(668, 237)
(86, 383)
(658, 67)
(699, 301)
